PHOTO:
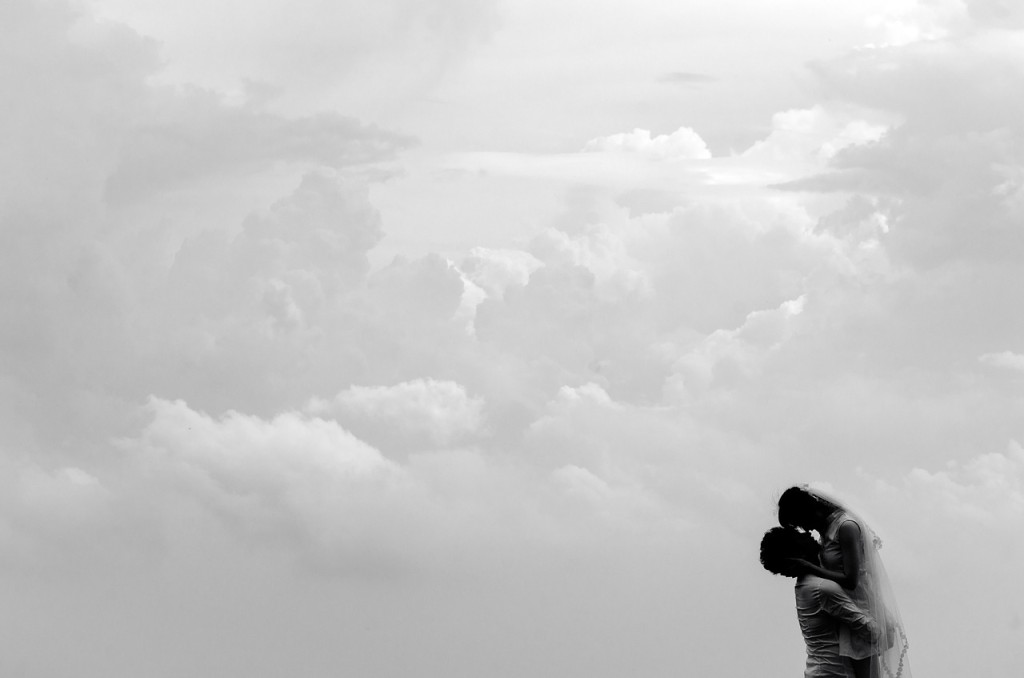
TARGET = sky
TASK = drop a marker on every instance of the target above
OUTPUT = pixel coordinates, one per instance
(461, 338)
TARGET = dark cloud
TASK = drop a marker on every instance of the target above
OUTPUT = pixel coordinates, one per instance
(950, 169)
(192, 135)
(1003, 14)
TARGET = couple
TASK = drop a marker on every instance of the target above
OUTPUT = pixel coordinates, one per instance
(846, 610)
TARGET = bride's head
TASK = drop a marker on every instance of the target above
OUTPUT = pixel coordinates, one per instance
(798, 507)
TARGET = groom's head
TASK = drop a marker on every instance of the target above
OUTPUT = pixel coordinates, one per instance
(780, 544)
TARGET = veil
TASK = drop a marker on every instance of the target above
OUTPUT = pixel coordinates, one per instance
(891, 648)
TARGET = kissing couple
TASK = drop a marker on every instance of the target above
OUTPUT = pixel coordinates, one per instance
(844, 604)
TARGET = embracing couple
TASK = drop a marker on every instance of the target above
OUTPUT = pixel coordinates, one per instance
(845, 607)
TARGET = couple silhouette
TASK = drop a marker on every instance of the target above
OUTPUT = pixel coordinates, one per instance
(845, 607)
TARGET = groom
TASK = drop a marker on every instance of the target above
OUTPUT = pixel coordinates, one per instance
(821, 605)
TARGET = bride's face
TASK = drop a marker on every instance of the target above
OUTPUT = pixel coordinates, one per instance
(815, 519)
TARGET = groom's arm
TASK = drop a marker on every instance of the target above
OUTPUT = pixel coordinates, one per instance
(839, 605)
(849, 541)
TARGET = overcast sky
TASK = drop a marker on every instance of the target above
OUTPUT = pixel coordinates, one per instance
(477, 338)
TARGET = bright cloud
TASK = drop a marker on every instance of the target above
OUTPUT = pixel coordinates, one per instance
(421, 414)
(683, 143)
(286, 475)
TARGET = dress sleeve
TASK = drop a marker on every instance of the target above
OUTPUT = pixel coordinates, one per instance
(839, 605)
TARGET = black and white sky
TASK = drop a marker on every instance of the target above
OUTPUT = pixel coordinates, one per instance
(463, 338)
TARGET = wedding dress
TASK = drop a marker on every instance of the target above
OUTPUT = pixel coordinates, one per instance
(873, 592)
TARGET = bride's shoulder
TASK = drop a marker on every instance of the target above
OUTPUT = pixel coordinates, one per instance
(842, 522)
(848, 521)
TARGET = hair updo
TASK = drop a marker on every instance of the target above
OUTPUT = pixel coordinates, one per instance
(800, 508)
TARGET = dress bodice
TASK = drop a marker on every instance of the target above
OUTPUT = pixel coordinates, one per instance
(832, 559)
(831, 550)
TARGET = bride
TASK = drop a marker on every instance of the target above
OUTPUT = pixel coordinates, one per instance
(849, 557)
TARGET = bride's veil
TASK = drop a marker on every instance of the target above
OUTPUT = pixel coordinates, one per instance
(892, 646)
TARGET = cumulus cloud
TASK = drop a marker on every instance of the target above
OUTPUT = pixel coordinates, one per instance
(986, 489)
(304, 481)
(808, 138)
(414, 415)
(265, 296)
(290, 475)
(494, 271)
(725, 356)
(44, 504)
(683, 143)
(91, 276)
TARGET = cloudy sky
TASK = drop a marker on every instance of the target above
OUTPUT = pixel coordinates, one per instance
(462, 338)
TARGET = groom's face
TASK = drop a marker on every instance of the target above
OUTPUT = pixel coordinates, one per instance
(809, 549)
(813, 553)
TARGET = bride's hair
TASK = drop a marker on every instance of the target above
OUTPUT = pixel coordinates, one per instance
(798, 507)
(782, 543)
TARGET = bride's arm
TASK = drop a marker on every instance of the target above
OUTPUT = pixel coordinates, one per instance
(849, 541)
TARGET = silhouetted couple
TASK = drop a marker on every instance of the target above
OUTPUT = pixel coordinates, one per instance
(847, 614)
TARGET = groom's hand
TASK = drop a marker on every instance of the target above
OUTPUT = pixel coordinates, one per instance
(890, 634)
(795, 567)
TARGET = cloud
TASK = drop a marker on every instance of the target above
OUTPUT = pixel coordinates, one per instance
(809, 138)
(306, 482)
(264, 296)
(494, 271)
(600, 250)
(998, 14)
(110, 299)
(986, 490)
(45, 505)
(726, 356)
(89, 114)
(192, 133)
(1004, 360)
(360, 55)
(917, 22)
(61, 520)
(621, 171)
(686, 78)
(802, 143)
(413, 415)
(980, 505)
(293, 479)
(74, 88)
(683, 143)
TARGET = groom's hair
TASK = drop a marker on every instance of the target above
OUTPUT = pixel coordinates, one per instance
(780, 543)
